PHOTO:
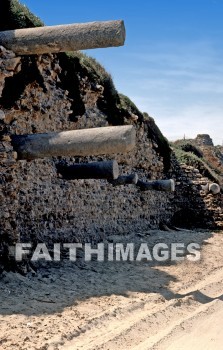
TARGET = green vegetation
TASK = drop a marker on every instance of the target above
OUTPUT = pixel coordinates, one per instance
(188, 147)
(95, 71)
(127, 105)
(163, 146)
(116, 106)
(14, 15)
(190, 158)
(78, 63)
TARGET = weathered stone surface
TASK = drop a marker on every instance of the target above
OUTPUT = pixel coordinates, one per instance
(2, 115)
(193, 204)
(204, 140)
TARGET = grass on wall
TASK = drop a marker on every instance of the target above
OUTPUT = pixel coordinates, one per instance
(200, 163)
(14, 15)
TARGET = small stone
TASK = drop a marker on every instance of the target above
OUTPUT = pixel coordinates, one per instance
(6, 138)
(12, 63)
(2, 49)
(2, 115)
(15, 155)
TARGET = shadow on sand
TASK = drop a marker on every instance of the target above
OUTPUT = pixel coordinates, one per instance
(59, 285)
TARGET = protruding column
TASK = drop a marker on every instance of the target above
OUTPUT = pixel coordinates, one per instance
(62, 38)
(214, 188)
(94, 170)
(157, 185)
(84, 142)
(125, 180)
(211, 187)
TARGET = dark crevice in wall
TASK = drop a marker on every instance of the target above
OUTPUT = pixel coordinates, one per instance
(15, 85)
(108, 104)
(70, 82)
(14, 15)
(163, 147)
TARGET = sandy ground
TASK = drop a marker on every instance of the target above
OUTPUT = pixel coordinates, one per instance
(119, 305)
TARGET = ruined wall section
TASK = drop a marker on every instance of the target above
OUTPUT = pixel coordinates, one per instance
(193, 205)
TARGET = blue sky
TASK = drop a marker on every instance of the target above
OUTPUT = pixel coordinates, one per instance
(172, 63)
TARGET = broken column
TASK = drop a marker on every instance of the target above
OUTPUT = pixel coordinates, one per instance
(157, 185)
(211, 187)
(131, 179)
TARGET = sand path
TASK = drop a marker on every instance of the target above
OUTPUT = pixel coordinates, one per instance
(116, 306)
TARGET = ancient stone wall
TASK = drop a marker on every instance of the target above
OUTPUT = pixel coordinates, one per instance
(37, 204)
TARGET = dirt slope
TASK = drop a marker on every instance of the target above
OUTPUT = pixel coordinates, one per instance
(114, 306)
